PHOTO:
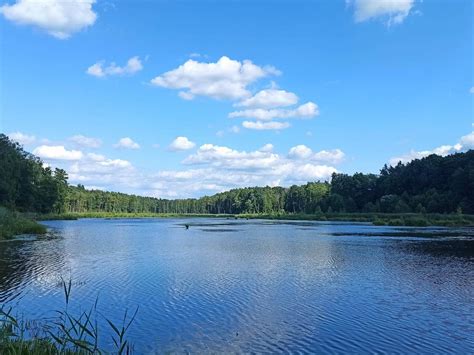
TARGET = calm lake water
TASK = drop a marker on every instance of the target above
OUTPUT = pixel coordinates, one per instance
(260, 286)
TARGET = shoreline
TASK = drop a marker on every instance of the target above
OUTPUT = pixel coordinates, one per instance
(377, 219)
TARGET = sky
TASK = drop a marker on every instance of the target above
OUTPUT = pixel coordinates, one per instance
(181, 99)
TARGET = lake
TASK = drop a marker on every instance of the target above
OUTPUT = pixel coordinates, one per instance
(227, 285)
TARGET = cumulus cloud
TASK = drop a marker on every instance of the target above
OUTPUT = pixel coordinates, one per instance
(265, 126)
(101, 70)
(270, 98)
(465, 143)
(307, 110)
(57, 152)
(216, 168)
(181, 143)
(22, 138)
(392, 12)
(211, 168)
(224, 79)
(233, 80)
(93, 169)
(220, 156)
(105, 174)
(127, 143)
(301, 151)
(87, 142)
(267, 148)
(59, 18)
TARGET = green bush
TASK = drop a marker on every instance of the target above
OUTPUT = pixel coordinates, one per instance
(416, 222)
(379, 222)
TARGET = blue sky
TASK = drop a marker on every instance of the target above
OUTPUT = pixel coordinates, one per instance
(338, 86)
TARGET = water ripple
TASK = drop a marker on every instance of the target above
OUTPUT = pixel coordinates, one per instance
(256, 286)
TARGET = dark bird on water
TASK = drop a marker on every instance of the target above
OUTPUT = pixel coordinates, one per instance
(187, 226)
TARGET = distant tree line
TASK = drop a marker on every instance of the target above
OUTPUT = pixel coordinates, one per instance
(26, 184)
(430, 185)
(433, 184)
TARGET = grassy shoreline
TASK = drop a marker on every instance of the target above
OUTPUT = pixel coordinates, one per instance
(379, 219)
(13, 223)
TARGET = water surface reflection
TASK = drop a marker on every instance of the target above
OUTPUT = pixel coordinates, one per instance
(261, 286)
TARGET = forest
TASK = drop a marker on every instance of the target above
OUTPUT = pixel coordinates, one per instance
(433, 184)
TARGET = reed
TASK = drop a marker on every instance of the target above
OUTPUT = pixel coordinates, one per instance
(67, 333)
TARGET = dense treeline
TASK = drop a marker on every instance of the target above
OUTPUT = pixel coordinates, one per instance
(433, 185)
(26, 184)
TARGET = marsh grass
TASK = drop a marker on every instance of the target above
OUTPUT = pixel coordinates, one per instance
(66, 333)
(13, 223)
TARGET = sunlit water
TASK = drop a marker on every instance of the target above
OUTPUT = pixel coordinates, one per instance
(254, 286)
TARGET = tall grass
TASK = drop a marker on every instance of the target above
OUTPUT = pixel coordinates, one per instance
(13, 223)
(67, 333)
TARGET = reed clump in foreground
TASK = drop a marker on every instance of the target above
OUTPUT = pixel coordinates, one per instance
(67, 333)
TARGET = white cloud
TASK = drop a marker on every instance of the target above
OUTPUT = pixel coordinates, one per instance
(270, 98)
(303, 152)
(186, 95)
(22, 138)
(224, 79)
(99, 69)
(99, 171)
(307, 110)
(218, 168)
(267, 148)
(465, 143)
(87, 142)
(231, 79)
(300, 152)
(472, 90)
(230, 158)
(392, 12)
(127, 143)
(96, 157)
(59, 18)
(57, 152)
(181, 143)
(264, 126)
(211, 168)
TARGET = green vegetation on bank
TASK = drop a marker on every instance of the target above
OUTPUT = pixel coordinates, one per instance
(430, 191)
(13, 223)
